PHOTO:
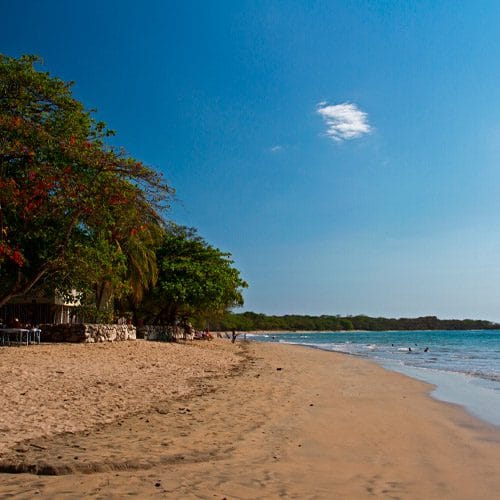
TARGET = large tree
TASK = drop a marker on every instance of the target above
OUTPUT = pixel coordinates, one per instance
(195, 280)
(73, 210)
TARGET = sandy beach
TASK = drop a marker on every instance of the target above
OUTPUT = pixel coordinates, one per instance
(222, 420)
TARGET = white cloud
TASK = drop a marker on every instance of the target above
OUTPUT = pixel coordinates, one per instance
(276, 149)
(344, 121)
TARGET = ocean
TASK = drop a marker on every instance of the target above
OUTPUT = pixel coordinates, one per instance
(464, 366)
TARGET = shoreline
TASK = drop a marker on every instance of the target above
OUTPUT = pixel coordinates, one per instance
(458, 389)
(478, 396)
(265, 420)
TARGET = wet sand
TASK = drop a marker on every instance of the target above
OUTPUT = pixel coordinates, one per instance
(222, 420)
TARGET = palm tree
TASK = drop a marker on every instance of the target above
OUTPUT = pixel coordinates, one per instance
(140, 253)
(144, 230)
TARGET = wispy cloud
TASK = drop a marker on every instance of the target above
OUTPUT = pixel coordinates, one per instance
(344, 121)
(276, 149)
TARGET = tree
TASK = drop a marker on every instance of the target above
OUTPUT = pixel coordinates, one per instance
(195, 279)
(73, 210)
(139, 252)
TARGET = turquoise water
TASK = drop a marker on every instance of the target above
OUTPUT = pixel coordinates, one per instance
(463, 365)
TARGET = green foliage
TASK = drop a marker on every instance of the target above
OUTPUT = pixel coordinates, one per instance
(74, 212)
(89, 313)
(249, 321)
(166, 335)
(78, 214)
(195, 279)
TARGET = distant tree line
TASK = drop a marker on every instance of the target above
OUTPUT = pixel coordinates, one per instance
(249, 321)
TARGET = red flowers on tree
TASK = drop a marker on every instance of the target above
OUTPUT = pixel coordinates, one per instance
(63, 191)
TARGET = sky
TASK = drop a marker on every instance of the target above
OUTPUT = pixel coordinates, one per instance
(347, 154)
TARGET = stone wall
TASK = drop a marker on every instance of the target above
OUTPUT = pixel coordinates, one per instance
(86, 332)
(165, 333)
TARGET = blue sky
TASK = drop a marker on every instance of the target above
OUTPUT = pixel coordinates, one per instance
(346, 153)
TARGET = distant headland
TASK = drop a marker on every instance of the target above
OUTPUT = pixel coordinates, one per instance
(251, 321)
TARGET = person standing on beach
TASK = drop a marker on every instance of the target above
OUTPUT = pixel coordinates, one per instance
(233, 336)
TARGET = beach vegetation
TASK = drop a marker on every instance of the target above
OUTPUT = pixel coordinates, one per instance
(75, 212)
(85, 219)
(196, 280)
